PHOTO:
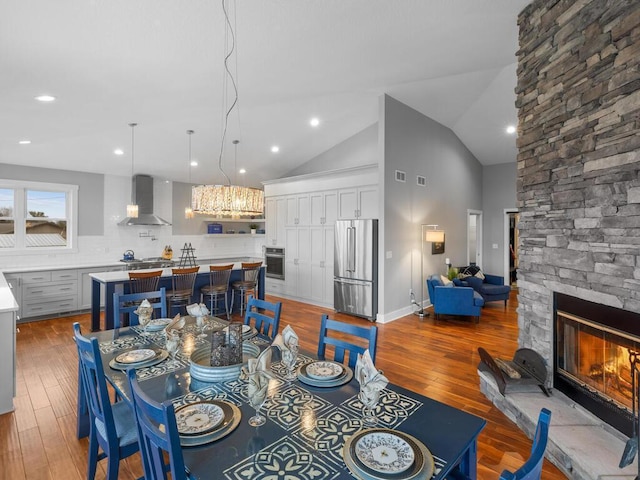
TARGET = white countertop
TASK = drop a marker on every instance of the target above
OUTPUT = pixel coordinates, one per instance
(123, 276)
(7, 301)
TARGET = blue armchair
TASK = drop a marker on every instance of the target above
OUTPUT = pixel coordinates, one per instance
(452, 300)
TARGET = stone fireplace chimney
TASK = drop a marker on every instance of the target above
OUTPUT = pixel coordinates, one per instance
(578, 100)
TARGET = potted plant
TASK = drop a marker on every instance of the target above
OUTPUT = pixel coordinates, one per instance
(253, 227)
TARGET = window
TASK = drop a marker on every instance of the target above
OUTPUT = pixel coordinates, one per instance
(37, 217)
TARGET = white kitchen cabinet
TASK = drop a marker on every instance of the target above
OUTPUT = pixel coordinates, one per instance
(323, 208)
(321, 248)
(48, 292)
(297, 267)
(360, 202)
(297, 210)
(276, 217)
(8, 315)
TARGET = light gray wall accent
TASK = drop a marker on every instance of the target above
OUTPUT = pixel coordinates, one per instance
(359, 150)
(180, 225)
(90, 191)
(498, 193)
(419, 145)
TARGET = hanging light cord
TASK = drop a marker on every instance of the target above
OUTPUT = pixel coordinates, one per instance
(133, 126)
(190, 132)
(228, 31)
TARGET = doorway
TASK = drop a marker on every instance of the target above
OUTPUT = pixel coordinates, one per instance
(511, 247)
(474, 237)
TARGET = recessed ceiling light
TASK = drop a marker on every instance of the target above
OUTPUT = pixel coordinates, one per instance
(45, 98)
(511, 129)
(314, 122)
(275, 149)
(118, 151)
(24, 142)
(242, 170)
(194, 163)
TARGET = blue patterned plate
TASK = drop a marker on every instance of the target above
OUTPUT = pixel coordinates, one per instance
(160, 356)
(322, 370)
(384, 452)
(344, 377)
(199, 417)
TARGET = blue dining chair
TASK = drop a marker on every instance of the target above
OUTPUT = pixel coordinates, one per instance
(265, 315)
(127, 303)
(532, 468)
(341, 346)
(154, 442)
(112, 426)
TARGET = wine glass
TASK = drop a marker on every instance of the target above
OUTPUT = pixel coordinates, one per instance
(202, 325)
(172, 344)
(257, 394)
(289, 358)
(144, 319)
(369, 398)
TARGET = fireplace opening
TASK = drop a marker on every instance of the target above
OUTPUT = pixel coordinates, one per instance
(594, 346)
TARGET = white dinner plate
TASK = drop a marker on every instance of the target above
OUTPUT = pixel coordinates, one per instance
(136, 356)
(158, 324)
(199, 417)
(323, 370)
(384, 452)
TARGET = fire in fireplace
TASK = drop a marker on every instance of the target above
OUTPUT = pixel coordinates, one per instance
(594, 349)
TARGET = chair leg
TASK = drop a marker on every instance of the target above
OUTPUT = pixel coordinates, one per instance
(93, 456)
(113, 466)
(478, 319)
(226, 304)
(505, 303)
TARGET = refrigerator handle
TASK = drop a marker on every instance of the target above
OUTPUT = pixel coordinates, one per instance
(351, 249)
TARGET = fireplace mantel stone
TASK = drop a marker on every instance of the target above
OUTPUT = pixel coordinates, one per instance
(581, 445)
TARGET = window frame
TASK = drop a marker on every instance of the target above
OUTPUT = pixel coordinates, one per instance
(20, 216)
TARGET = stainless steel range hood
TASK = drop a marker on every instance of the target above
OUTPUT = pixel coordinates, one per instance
(142, 194)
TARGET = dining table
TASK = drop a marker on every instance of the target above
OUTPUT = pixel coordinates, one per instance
(307, 426)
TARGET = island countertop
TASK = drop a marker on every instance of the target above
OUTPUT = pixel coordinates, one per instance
(119, 281)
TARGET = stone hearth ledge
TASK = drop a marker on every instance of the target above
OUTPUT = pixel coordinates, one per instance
(581, 445)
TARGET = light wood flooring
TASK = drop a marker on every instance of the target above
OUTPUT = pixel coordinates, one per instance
(435, 358)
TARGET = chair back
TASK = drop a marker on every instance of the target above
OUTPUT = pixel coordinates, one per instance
(532, 468)
(144, 281)
(94, 384)
(183, 280)
(250, 272)
(341, 346)
(154, 441)
(259, 312)
(129, 302)
(219, 276)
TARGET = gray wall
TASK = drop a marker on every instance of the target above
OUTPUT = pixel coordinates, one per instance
(419, 145)
(498, 193)
(358, 150)
(90, 191)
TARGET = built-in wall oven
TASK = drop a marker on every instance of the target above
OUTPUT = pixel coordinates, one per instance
(274, 259)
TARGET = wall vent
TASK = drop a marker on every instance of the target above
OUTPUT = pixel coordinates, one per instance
(422, 181)
(401, 176)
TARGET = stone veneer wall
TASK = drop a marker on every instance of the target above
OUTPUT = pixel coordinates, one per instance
(578, 99)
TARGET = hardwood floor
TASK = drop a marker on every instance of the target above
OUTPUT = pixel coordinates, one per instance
(435, 358)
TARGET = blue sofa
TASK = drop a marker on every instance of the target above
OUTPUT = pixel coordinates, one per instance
(453, 300)
(492, 288)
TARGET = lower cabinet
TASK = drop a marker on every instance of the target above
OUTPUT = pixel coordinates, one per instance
(7, 360)
(321, 248)
(84, 290)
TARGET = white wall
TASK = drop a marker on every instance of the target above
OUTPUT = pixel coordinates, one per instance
(498, 193)
(419, 145)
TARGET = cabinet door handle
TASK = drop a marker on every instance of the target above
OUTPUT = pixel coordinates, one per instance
(36, 291)
(65, 289)
(322, 264)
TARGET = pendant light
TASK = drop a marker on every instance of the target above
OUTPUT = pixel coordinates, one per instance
(188, 211)
(233, 200)
(132, 208)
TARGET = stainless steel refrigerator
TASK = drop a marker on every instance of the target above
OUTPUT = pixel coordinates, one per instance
(355, 268)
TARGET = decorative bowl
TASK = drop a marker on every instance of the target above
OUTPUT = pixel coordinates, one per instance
(202, 370)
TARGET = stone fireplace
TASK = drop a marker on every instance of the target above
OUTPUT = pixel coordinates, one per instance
(578, 183)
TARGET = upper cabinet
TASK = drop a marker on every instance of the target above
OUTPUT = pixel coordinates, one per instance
(323, 208)
(360, 202)
(297, 210)
(276, 218)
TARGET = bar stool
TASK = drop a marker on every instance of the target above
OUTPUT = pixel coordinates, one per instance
(182, 282)
(140, 282)
(218, 285)
(248, 284)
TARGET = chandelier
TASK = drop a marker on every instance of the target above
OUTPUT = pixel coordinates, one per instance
(223, 200)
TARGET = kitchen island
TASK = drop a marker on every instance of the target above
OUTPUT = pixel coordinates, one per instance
(119, 282)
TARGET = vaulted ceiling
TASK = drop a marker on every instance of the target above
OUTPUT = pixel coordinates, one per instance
(159, 63)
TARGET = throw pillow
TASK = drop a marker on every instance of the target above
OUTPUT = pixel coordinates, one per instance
(445, 281)
(480, 275)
